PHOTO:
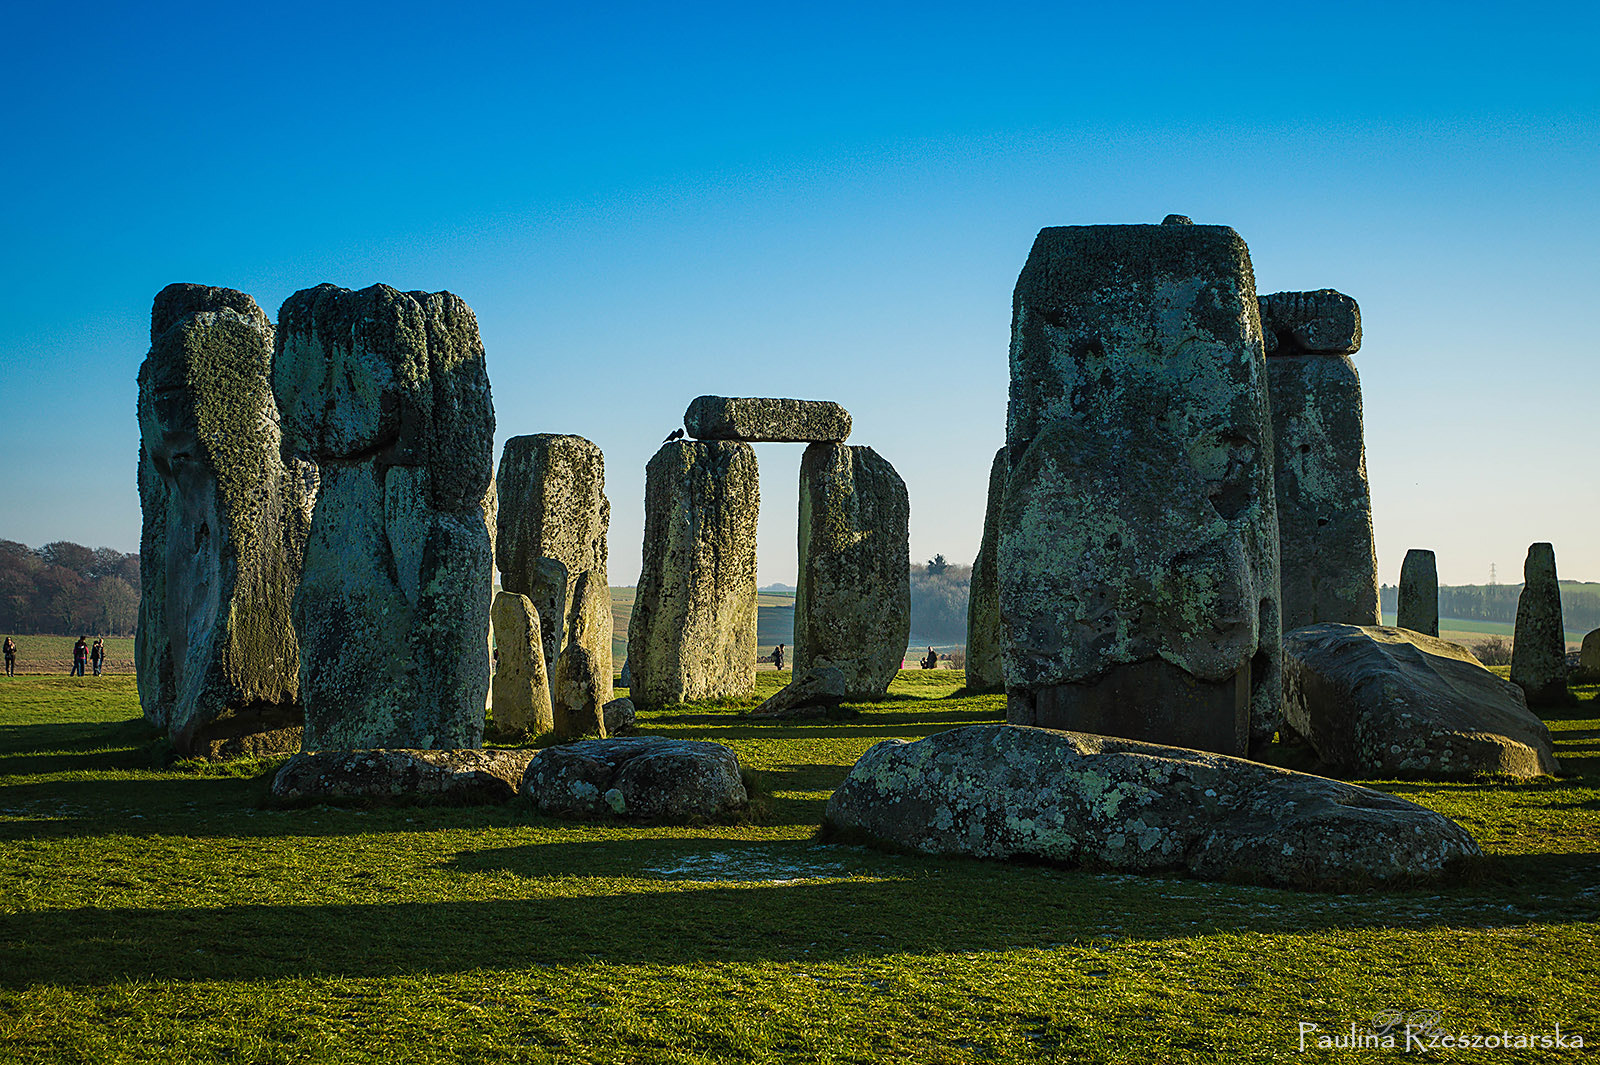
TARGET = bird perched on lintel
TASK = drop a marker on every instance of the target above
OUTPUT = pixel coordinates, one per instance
(677, 434)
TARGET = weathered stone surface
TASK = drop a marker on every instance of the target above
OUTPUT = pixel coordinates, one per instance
(1539, 644)
(521, 688)
(1589, 654)
(1329, 566)
(388, 421)
(999, 791)
(1417, 603)
(852, 609)
(619, 716)
(1321, 322)
(455, 776)
(985, 671)
(1391, 702)
(583, 677)
(223, 538)
(791, 421)
(626, 679)
(1138, 546)
(693, 631)
(816, 692)
(644, 779)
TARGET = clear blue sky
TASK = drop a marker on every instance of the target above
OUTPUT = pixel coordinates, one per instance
(647, 203)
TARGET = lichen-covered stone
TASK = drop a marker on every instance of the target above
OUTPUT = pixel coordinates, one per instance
(620, 716)
(985, 670)
(1323, 322)
(790, 421)
(223, 537)
(1539, 644)
(852, 609)
(693, 631)
(1138, 546)
(388, 421)
(521, 688)
(1391, 702)
(644, 779)
(583, 679)
(1328, 564)
(1000, 791)
(816, 692)
(466, 776)
(1417, 605)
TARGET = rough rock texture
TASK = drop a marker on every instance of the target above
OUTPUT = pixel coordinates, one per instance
(645, 779)
(1389, 702)
(985, 670)
(998, 791)
(388, 422)
(1323, 322)
(1138, 548)
(224, 535)
(693, 631)
(554, 511)
(1328, 564)
(1539, 644)
(814, 693)
(456, 776)
(626, 679)
(619, 716)
(852, 609)
(1417, 605)
(583, 677)
(790, 421)
(1589, 655)
(521, 687)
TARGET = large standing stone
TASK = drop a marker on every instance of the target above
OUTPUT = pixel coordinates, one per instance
(1389, 702)
(693, 632)
(985, 671)
(1539, 645)
(387, 417)
(852, 609)
(583, 677)
(1138, 550)
(223, 535)
(521, 689)
(1328, 563)
(1417, 603)
(553, 522)
(788, 421)
(998, 792)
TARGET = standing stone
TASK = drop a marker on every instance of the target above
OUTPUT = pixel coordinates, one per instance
(521, 687)
(985, 672)
(852, 609)
(1417, 607)
(693, 633)
(583, 678)
(223, 539)
(553, 522)
(387, 418)
(1138, 550)
(786, 421)
(1539, 645)
(1328, 562)
(1589, 656)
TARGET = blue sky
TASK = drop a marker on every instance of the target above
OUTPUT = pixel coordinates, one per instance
(646, 203)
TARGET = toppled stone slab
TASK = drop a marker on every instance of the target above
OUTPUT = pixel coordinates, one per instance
(620, 716)
(644, 779)
(1003, 791)
(1323, 322)
(1417, 599)
(1391, 702)
(781, 421)
(1539, 643)
(985, 670)
(816, 692)
(469, 776)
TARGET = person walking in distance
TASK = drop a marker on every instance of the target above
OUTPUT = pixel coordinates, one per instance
(97, 655)
(777, 657)
(80, 656)
(11, 657)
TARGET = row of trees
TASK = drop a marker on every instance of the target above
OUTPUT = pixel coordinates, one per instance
(68, 589)
(939, 602)
(1580, 603)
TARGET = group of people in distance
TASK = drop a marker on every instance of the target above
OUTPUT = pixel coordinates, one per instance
(83, 656)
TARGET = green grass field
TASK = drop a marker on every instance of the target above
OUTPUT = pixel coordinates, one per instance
(53, 654)
(170, 913)
(1472, 630)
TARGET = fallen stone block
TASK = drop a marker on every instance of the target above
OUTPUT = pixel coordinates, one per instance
(644, 779)
(465, 775)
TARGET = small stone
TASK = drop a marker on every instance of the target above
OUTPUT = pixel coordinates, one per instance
(1177, 220)
(521, 688)
(1539, 644)
(789, 421)
(469, 776)
(816, 692)
(646, 779)
(619, 716)
(1417, 605)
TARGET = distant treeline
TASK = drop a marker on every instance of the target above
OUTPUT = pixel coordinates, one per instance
(939, 602)
(68, 589)
(1580, 603)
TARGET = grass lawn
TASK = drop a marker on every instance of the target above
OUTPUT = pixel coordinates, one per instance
(173, 915)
